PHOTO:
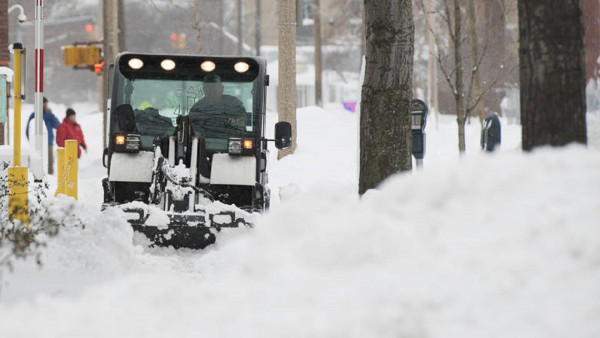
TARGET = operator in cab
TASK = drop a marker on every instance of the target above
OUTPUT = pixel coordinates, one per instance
(217, 112)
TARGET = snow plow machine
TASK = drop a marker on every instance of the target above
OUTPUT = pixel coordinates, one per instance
(186, 150)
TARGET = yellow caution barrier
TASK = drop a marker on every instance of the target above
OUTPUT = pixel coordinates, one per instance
(70, 166)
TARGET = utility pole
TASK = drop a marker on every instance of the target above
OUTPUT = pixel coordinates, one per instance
(121, 25)
(286, 91)
(240, 30)
(316, 10)
(220, 22)
(110, 23)
(258, 28)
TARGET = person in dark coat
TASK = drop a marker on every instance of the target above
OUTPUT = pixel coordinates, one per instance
(491, 132)
(51, 123)
(69, 129)
(218, 113)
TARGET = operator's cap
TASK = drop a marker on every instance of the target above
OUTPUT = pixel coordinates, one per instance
(212, 78)
(70, 112)
(45, 100)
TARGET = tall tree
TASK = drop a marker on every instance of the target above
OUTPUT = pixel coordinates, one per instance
(385, 135)
(552, 73)
(462, 47)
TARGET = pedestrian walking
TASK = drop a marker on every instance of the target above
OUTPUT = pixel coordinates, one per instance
(69, 129)
(51, 123)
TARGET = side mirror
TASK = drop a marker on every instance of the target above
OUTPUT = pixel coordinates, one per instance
(283, 135)
(126, 118)
(105, 158)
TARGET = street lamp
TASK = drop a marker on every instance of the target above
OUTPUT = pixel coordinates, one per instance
(21, 17)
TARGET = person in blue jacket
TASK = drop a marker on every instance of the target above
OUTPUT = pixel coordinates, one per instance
(51, 123)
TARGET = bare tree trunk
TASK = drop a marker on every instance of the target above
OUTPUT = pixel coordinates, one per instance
(495, 32)
(318, 58)
(552, 73)
(240, 29)
(431, 66)
(459, 87)
(475, 86)
(258, 28)
(121, 25)
(197, 28)
(221, 23)
(363, 37)
(385, 134)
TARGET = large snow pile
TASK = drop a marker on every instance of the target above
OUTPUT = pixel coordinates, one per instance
(489, 245)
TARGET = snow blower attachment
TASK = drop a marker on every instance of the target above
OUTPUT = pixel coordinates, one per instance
(186, 150)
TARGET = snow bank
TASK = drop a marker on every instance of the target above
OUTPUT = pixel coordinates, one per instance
(499, 245)
(473, 251)
(90, 247)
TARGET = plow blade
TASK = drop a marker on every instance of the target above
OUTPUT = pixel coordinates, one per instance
(184, 230)
(178, 236)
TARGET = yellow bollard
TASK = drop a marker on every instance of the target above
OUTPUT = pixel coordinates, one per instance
(61, 181)
(18, 202)
(71, 168)
(19, 51)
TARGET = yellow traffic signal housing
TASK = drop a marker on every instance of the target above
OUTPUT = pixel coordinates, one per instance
(81, 55)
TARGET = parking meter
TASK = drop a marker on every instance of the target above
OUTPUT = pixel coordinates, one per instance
(418, 119)
(490, 134)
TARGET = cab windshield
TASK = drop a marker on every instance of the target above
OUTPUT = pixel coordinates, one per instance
(220, 104)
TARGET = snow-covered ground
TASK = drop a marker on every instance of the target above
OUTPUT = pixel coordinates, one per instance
(487, 245)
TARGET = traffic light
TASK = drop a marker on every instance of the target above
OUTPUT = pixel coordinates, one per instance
(98, 67)
(81, 55)
(91, 31)
(178, 41)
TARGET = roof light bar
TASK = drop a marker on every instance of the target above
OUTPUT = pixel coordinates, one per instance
(167, 64)
(135, 63)
(241, 67)
(208, 66)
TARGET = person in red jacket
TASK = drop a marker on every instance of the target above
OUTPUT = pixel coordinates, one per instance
(69, 129)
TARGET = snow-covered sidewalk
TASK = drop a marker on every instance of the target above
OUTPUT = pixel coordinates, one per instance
(501, 245)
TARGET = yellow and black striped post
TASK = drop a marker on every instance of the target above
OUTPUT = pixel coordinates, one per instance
(18, 203)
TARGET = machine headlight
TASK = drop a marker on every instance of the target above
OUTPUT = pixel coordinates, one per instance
(129, 143)
(135, 63)
(234, 146)
(238, 146)
(167, 64)
(208, 66)
(241, 67)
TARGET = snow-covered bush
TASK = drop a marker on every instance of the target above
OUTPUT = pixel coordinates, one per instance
(18, 241)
